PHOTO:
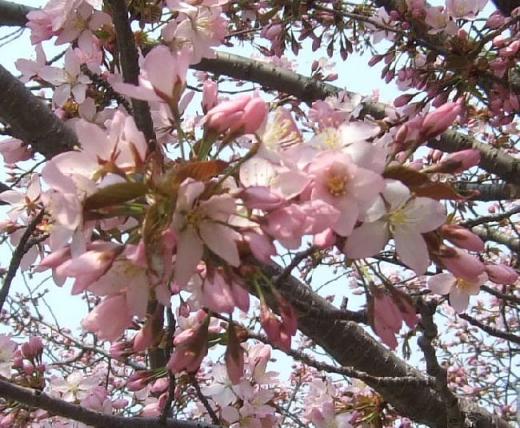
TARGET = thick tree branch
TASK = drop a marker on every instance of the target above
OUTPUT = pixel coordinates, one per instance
(58, 407)
(13, 15)
(129, 64)
(488, 234)
(31, 120)
(350, 345)
(489, 191)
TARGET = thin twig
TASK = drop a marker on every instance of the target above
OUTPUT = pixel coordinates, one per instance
(18, 254)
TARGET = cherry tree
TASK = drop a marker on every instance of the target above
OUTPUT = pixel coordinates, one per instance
(224, 219)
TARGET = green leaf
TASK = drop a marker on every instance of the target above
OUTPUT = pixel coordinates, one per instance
(115, 194)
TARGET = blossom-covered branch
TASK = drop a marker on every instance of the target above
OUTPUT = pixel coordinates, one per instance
(56, 406)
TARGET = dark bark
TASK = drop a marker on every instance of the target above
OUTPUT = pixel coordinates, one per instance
(31, 120)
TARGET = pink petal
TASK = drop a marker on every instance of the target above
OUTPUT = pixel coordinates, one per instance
(441, 283)
(189, 253)
(367, 240)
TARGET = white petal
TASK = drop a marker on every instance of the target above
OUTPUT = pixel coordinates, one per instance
(441, 283)
(221, 240)
(396, 194)
(459, 300)
(367, 240)
(411, 249)
(426, 214)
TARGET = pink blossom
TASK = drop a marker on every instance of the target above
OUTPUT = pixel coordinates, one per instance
(190, 346)
(154, 83)
(68, 80)
(405, 218)
(110, 318)
(202, 223)
(23, 204)
(260, 245)
(199, 28)
(14, 150)
(459, 289)
(83, 20)
(91, 265)
(30, 68)
(77, 386)
(345, 186)
(123, 146)
(290, 223)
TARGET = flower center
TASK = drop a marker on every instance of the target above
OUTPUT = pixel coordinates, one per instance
(331, 139)
(337, 184)
(464, 285)
(398, 218)
(193, 218)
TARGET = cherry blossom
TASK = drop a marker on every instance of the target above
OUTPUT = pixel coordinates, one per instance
(403, 217)
(459, 289)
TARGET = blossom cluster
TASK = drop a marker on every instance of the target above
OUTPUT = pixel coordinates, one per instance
(188, 220)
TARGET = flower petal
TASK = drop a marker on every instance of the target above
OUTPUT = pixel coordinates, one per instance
(221, 240)
(441, 283)
(412, 249)
(366, 240)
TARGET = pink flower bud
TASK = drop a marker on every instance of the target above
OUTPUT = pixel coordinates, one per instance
(209, 95)
(438, 121)
(461, 264)
(495, 21)
(139, 380)
(462, 237)
(502, 274)
(160, 385)
(270, 324)
(119, 403)
(244, 114)
(33, 348)
(121, 350)
(403, 100)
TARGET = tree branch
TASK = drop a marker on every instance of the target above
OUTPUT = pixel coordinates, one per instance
(491, 330)
(350, 345)
(130, 67)
(14, 15)
(17, 257)
(488, 234)
(58, 407)
(31, 120)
